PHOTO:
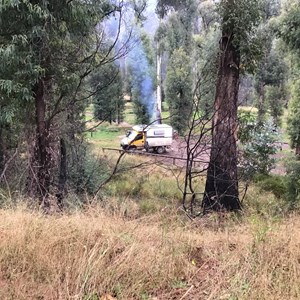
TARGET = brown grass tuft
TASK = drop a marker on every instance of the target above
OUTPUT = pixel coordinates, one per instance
(89, 254)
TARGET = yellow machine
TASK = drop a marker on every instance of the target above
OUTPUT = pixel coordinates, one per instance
(154, 138)
(135, 138)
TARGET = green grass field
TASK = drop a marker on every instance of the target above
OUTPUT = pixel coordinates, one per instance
(107, 136)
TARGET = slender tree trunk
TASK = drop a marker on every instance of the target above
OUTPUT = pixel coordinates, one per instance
(62, 174)
(261, 103)
(221, 190)
(1, 149)
(158, 89)
(42, 156)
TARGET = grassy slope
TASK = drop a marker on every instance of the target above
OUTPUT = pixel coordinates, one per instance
(147, 249)
(85, 255)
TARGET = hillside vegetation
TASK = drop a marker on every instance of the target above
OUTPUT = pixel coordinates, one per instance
(131, 254)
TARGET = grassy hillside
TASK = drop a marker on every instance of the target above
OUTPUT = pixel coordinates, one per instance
(97, 252)
(137, 243)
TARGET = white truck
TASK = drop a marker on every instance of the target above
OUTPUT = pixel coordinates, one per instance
(156, 138)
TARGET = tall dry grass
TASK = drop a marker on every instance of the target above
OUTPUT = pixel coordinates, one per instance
(86, 255)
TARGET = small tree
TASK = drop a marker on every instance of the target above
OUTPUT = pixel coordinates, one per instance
(275, 96)
(294, 118)
(178, 89)
(258, 145)
(108, 99)
(142, 73)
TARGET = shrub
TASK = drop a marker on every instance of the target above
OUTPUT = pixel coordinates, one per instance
(293, 181)
(258, 146)
(86, 171)
(275, 184)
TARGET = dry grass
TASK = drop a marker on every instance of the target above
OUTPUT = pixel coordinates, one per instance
(88, 254)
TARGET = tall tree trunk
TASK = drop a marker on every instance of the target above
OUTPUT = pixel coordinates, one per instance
(221, 190)
(158, 89)
(42, 155)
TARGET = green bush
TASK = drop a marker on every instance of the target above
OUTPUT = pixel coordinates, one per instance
(293, 181)
(85, 170)
(258, 147)
(275, 184)
(247, 124)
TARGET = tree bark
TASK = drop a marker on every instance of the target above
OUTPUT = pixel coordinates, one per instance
(42, 157)
(158, 89)
(62, 174)
(1, 149)
(261, 103)
(221, 189)
(297, 152)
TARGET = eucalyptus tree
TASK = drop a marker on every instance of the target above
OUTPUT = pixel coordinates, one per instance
(178, 88)
(270, 9)
(108, 98)
(48, 51)
(289, 32)
(174, 36)
(276, 85)
(294, 118)
(142, 73)
(237, 47)
(289, 24)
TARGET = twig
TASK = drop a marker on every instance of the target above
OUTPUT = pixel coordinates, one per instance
(187, 292)
(7, 163)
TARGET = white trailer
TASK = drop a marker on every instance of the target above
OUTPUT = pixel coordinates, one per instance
(158, 138)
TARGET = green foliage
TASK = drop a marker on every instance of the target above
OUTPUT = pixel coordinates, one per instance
(275, 97)
(175, 37)
(257, 148)
(293, 181)
(208, 13)
(141, 112)
(141, 70)
(146, 42)
(108, 99)
(241, 19)
(247, 124)
(290, 24)
(179, 30)
(48, 49)
(178, 89)
(272, 183)
(293, 127)
(164, 6)
(275, 69)
(206, 55)
(285, 187)
(86, 171)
